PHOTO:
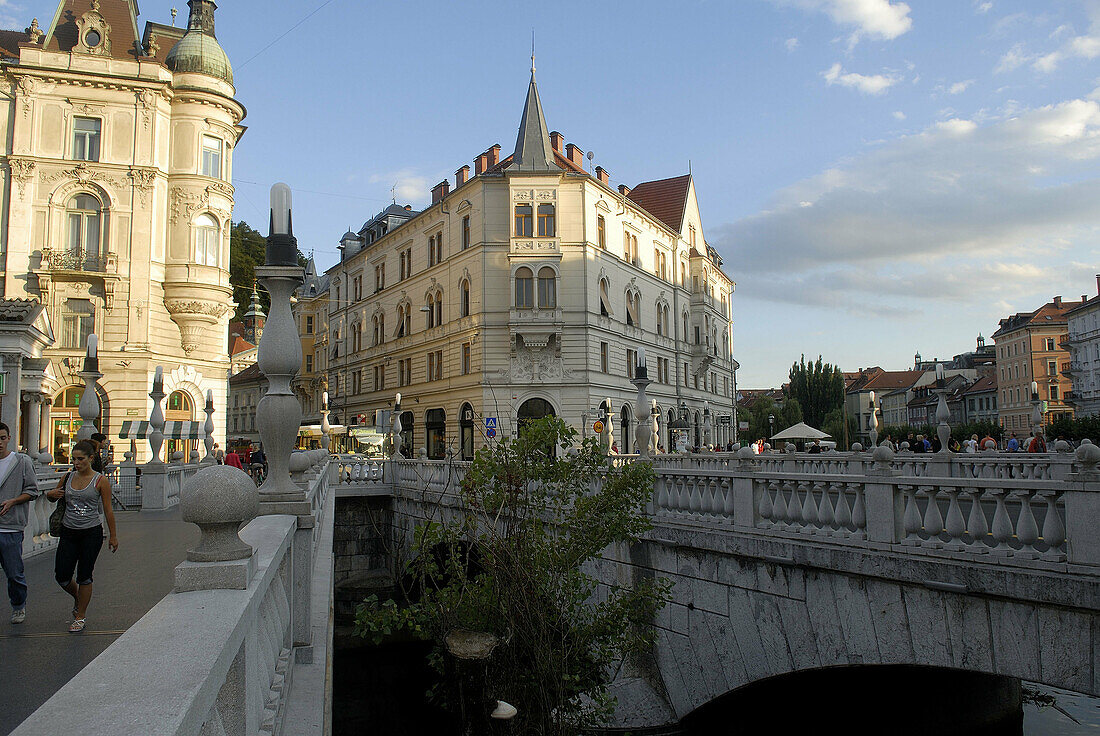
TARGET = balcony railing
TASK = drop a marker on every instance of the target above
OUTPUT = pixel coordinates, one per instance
(73, 260)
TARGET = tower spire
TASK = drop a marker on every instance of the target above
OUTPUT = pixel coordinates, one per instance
(533, 151)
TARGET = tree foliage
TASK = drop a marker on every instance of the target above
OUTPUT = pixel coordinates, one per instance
(516, 561)
(787, 415)
(247, 250)
(819, 389)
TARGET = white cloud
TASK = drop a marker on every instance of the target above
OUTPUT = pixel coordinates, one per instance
(791, 44)
(960, 87)
(873, 18)
(874, 84)
(981, 7)
(960, 212)
(1014, 58)
(1086, 46)
(899, 115)
(407, 185)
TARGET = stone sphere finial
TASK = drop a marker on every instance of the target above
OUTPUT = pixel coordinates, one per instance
(1088, 455)
(218, 499)
(1062, 446)
(883, 456)
(789, 448)
(857, 447)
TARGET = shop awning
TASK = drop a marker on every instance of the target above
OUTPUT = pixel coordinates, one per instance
(140, 430)
(314, 430)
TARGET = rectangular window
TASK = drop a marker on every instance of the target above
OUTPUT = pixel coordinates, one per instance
(86, 139)
(1052, 368)
(1054, 392)
(211, 156)
(77, 323)
(435, 365)
(465, 358)
(379, 377)
(603, 356)
(465, 232)
(404, 371)
(309, 364)
(601, 232)
(631, 359)
(1050, 343)
(431, 251)
(685, 374)
(309, 324)
(525, 221)
(546, 220)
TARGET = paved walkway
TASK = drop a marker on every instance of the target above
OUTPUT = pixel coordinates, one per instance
(39, 656)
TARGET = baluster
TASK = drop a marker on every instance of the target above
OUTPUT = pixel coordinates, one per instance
(843, 512)
(794, 506)
(933, 519)
(911, 522)
(662, 494)
(1054, 532)
(714, 508)
(976, 524)
(859, 513)
(727, 498)
(809, 508)
(764, 508)
(1027, 531)
(1002, 524)
(825, 511)
(694, 502)
(956, 527)
(682, 500)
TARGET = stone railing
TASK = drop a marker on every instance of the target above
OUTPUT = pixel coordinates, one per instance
(358, 470)
(219, 654)
(36, 535)
(161, 483)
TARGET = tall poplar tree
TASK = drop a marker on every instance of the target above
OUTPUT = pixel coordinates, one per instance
(819, 388)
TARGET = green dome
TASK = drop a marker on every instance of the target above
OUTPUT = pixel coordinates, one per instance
(199, 53)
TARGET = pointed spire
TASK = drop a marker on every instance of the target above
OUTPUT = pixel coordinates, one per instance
(533, 151)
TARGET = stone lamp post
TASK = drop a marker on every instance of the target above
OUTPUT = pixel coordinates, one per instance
(326, 428)
(395, 431)
(874, 421)
(644, 430)
(208, 429)
(655, 426)
(1036, 409)
(943, 414)
(89, 400)
(280, 357)
(156, 418)
(708, 427)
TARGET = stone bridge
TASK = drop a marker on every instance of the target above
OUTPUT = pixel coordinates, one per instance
(783, 564)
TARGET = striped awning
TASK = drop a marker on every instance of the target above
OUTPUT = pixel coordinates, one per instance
(140, 430)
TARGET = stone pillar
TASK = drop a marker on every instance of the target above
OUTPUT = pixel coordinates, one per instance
(644, 429)
(34, 400)
(744, 501)
(9, 406)
(89, 401)
(45, 456)
(208, 429)
(884, 510)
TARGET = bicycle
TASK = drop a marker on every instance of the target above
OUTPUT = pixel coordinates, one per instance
(259, 473)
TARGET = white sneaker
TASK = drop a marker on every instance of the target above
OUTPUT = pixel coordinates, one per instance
(19, 616)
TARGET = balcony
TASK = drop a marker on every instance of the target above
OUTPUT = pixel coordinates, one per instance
(80, 260)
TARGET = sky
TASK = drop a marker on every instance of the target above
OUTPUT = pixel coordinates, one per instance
(880, 177)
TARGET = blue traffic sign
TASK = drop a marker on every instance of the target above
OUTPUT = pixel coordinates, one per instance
(490, 433)
(490, 423)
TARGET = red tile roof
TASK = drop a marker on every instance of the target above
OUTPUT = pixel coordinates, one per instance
(239, 345)
(985, 383)
(665, 199)
(559, 159)
(10, 40)
(890, 380)
(1048, 314)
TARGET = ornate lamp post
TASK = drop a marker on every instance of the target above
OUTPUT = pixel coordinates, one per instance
(280, 356)
(943, 414)
(395, 431)
(89, 401)
(208, 429)
(708, 427)
(874, 421)
(1036, 409)
(326, 428)
(644, 431)
(156, 418)
(771, 426)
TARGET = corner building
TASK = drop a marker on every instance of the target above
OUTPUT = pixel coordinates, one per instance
(526, 290)
(117, 211)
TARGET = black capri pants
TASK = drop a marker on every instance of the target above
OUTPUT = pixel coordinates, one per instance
(77, 550)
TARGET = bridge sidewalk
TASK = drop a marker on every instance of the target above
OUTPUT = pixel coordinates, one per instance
(39, 656)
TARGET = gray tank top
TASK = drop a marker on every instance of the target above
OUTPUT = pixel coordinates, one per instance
(83, 506)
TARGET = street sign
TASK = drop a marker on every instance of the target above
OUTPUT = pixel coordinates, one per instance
(491, 433)
(598, 427)
(490, 423)
(743, 426)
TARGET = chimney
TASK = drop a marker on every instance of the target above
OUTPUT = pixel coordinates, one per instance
(1098, 284)
(440, 190)
(479, 164)
(574, 154)
(1057, 302)
(494, 155)
(602, 175)
(462, 176)
(409, 207)
(556, 139)
(624, 189)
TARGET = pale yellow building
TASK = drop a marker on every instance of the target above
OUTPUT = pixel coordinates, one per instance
(119, 155)
(528, 289)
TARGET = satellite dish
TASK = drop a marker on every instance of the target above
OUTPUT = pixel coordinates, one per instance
(590, 155)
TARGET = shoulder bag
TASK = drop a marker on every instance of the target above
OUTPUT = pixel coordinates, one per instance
(59, 512)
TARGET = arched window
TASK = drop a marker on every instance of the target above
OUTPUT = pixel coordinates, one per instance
(633, 310)
(605, 300)
(531, 410)
(525, 297)
(404, 319)
(546, 220)
(86, 219)
(374, 330)
(624, 428)
(548, 287)
(662, 328)
(464, 298)
(430, 313)
(684, 334)
(438, 308)
(207, 241)
(466, 430)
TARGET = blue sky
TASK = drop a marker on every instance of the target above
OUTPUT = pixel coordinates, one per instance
(879, 177)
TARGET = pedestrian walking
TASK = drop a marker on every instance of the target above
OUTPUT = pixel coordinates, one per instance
(18, 486)
(233, 459)
(1037, 443)
(86, 494)
(219, 455)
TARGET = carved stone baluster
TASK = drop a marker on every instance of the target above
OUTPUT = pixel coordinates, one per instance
(1054, 531)
(976, 523)
(727, 499)
(714, 508)
(662, 494)
(859, 512)
(794, 506)
(1027, 531)
(843, 513)
(956, 526)
(933, 519)
(825, 511)
(695, 503)
(911, 522)
(809, 508)
(764, 507)
(1002, 524)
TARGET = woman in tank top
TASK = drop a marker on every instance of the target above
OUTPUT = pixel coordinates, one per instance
(86, 494)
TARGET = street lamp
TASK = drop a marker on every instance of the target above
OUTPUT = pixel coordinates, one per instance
(771, 426)
(1036, 413)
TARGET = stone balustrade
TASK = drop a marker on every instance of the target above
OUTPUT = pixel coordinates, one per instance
(356, 470)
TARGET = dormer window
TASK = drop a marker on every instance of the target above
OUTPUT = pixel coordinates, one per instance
(92, 38)
(86, 139)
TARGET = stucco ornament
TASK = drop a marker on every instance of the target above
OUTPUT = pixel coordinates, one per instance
(22, 170)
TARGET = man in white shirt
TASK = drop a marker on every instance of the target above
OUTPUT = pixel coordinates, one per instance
(18, 486)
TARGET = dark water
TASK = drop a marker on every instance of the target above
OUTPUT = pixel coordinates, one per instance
(381, 690)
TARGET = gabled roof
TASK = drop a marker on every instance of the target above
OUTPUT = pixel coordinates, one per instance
(120, 15)
(251, 373)
(890, 380)
(1048, 314)
(240, 345)
(533, 152)
(10, 40)
(983, 384)
(665, 199)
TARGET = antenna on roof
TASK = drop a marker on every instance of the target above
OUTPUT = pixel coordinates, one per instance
(532, 52)
(393, 192)
(173, 11)
(689, 167)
